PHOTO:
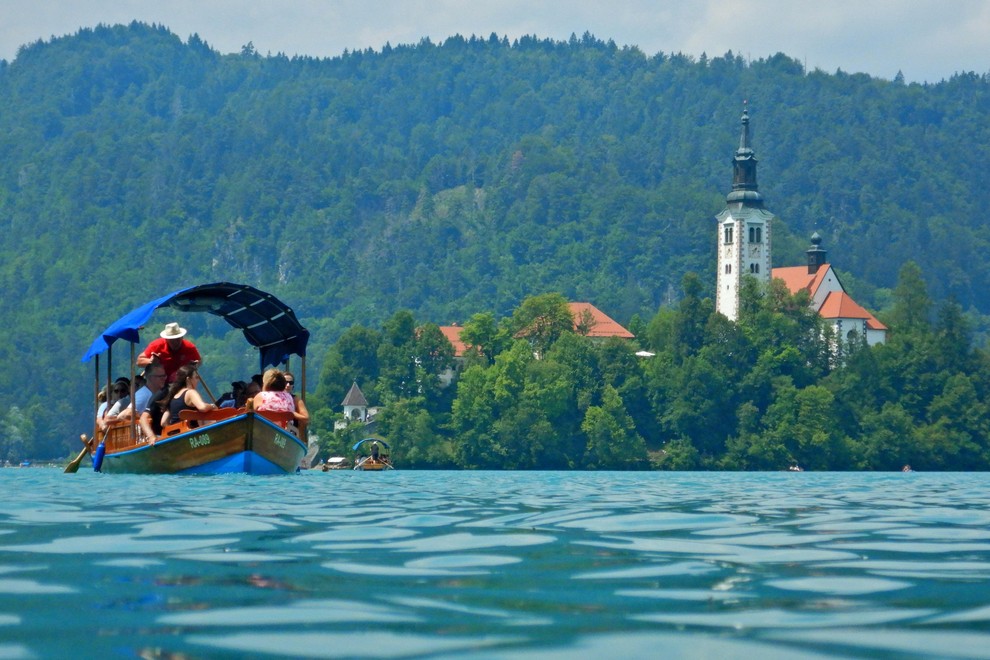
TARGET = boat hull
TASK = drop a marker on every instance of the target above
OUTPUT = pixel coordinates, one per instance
(369, 465)
(247, 443)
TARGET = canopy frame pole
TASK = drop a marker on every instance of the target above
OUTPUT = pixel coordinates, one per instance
(96, 396)
(109, 377)
(134, 410)
(302, 393)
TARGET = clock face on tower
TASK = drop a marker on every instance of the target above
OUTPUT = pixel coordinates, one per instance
(754, 250)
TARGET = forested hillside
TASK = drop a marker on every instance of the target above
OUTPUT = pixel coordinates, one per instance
(445, 179)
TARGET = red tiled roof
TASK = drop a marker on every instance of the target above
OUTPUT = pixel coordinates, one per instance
(838, 305)
(453, 335)
(797, 278)
(874, 324)
(603, 325)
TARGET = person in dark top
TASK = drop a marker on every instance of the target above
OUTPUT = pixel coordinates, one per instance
(151, 418)
(183, 395)
(234, 398)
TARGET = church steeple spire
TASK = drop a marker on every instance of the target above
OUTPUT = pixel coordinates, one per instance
(744, 187)
(744, 230)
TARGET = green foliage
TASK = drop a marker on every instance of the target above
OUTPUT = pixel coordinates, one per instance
(767, 393)
(459, 178)
(541, 320)
(412, 432)
(484, 337)
(613, 443)
(679, 454)
(18, 431)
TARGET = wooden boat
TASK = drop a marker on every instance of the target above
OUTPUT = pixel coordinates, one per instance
(335, 463)
(217, 441)
(379, 459)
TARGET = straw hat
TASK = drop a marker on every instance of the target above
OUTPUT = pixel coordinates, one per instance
(173, 331)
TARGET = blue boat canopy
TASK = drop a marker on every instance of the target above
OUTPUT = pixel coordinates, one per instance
(371, 439)
(267, 323)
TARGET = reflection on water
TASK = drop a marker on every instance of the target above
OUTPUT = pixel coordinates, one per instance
(495, 565)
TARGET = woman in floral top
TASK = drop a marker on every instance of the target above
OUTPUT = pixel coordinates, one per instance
(273, 396)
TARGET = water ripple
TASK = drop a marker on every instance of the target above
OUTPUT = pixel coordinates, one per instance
(362, 644)
(301, 612)
(496, 565)
(776, 618)
(839, 586)
(911, 644)
(8, 586)
(461, 541)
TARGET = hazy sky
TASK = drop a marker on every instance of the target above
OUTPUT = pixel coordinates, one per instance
(925, 39)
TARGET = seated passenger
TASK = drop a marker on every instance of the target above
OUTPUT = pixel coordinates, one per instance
(151, 418)
(238, 395)
(250, 391)
(153, 380)
(301, 412)
(121, 388)
(235, 397)
(274, 397)
(183, 395)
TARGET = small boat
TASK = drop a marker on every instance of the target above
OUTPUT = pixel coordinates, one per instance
(378, 459)
(336, 463)
(216, 441)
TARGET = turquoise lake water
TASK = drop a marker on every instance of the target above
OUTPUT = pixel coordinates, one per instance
(495, 565)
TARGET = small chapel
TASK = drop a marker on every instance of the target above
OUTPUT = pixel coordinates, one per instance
(744, 236)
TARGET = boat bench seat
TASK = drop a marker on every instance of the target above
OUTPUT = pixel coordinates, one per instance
(276, 417)
(209, 415)
(219, 414)
(204, 417)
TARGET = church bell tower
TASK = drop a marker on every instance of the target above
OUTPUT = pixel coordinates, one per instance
(743, 230)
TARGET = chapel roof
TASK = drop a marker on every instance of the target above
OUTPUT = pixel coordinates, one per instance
(602, 324)
(797, 278)
(838, 305)
(355, 397)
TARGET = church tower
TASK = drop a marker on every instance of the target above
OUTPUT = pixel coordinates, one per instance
(743, 230)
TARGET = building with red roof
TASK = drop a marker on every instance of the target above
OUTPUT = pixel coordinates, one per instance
(588, 321)
(453, 335)
(828, 297)
(744, 250)
(593, 322)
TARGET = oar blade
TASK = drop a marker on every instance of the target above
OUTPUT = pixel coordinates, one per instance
(73, 465)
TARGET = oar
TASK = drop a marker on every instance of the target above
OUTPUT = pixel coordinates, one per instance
(206, 387)
(73, 465)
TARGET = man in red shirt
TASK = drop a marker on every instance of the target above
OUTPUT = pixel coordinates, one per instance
(170, 350)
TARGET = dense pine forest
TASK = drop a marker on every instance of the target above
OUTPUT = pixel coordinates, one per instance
(381, 192)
